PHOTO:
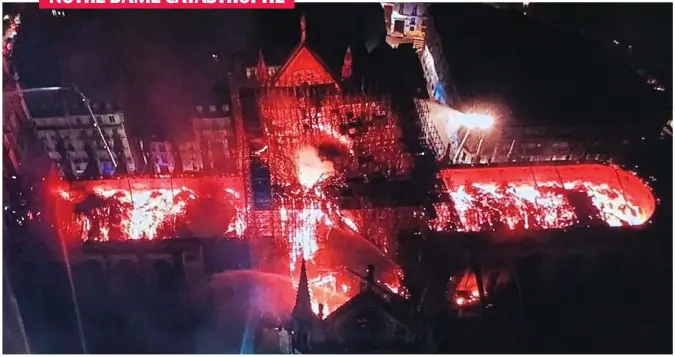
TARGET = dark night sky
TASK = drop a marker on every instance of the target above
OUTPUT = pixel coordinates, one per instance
(159, 63)
(545, 73)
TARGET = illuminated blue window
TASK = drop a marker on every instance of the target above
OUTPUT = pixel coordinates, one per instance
(108, 168)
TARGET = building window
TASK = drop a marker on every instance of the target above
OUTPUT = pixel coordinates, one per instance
(226, 108)
(399, 26)
(111, 118)
(212, 108)
(251, 73)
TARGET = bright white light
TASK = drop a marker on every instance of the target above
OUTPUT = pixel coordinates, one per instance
(478, 121)
(310, 168)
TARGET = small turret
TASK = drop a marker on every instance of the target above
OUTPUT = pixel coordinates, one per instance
(262, 69)
(347, 65)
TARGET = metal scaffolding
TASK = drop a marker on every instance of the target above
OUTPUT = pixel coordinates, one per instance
(431, 136)
(360, 135)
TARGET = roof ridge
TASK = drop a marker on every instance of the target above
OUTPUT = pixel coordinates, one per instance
(294, 53)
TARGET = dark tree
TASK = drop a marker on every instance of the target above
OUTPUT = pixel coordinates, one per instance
(205, 154)
(92, 169)
(178, 161)
(64, 163)
(118, 147)
(150, 161)
(409, 257)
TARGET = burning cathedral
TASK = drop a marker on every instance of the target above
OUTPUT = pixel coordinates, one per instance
(349, 171)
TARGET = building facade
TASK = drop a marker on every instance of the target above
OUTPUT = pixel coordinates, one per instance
(541, 143)
(162, 156)
(504, 143)
(190, 156)
(405, 23)
(411, 23)
(213, 132)
(75, 140)
(209, 146)
(15, 115)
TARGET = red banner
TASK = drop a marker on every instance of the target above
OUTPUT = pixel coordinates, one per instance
(167, 4)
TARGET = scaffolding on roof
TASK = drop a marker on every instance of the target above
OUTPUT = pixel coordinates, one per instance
(358, 133)
(431, 137)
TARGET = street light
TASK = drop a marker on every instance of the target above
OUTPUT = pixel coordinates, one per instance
(473, 121)
(477, 121)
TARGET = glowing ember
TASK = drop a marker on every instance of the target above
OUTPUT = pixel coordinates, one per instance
(308, 147)
(10, 26)
(310, 168)
(136, 217)
(466, 292)
(483, 200)
(106, 211)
